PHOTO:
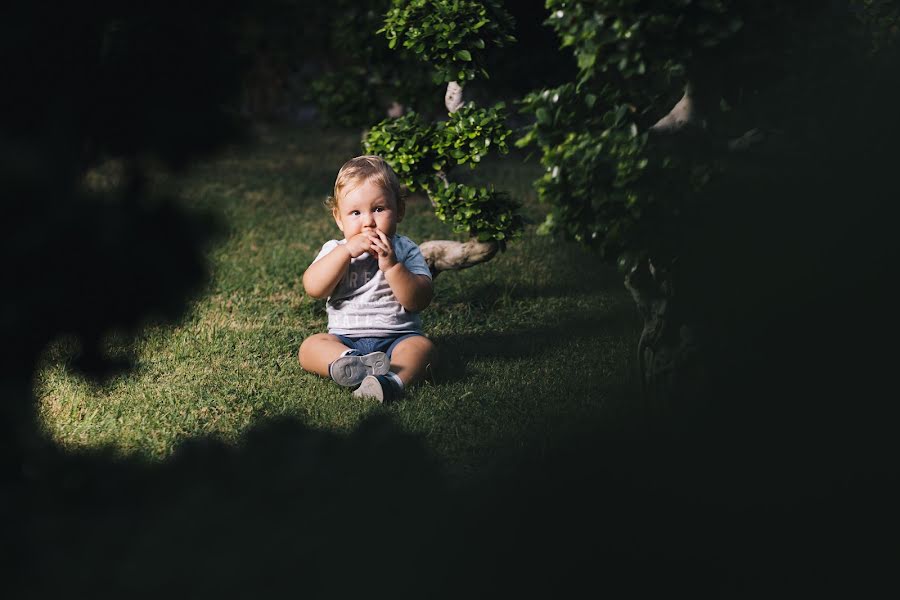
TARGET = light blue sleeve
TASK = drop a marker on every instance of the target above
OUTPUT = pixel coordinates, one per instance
(411, 257)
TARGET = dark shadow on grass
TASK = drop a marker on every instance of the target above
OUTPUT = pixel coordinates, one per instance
(457, 352)
(566, 280)
(486, 296)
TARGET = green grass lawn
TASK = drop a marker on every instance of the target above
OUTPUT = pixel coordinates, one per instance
(537, 339)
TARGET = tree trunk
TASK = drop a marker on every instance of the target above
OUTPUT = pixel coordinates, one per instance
(453, 97)
(682, 115)
(689, 114)
(448, 255)
(672, 369)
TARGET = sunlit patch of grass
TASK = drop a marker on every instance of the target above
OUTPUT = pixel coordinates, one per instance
(539, 337)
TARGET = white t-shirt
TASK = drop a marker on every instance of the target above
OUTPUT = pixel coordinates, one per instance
(362, 304)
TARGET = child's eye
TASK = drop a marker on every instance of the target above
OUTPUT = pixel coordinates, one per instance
(355, 213)
(379, 209)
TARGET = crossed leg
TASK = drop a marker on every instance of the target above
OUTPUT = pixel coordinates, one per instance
(411, 359)
(318, 351)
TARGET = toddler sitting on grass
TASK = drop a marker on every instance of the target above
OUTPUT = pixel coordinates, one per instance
(376, 282)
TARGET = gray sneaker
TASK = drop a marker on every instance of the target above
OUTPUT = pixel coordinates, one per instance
(350, 370)
(377, 387)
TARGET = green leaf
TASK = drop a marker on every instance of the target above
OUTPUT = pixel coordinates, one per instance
(464, 55)
(586, 61)
(525, 140)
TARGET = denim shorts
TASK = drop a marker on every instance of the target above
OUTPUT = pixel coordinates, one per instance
(375, 344)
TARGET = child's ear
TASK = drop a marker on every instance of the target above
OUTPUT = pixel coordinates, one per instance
(337, 217)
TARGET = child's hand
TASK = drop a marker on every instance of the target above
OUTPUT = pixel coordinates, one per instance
(359, 244)
(385, 251)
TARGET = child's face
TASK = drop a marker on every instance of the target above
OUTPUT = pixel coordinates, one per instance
(367, 207)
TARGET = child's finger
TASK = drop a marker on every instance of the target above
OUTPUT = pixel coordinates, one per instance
(385, 240)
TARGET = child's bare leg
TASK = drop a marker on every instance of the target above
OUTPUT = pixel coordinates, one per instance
(320, 350)
(412, 358)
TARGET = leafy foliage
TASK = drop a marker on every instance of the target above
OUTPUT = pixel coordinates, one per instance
(489, 213)
(625, 37)
(611, 185)
(407, 143)
(422, 153)
(449, 34)
(469, 133)
(608, 186)
(362, 76)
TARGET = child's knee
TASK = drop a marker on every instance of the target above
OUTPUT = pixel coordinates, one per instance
(430, 351)
(308, 345)
(420, 347)
(302, 350)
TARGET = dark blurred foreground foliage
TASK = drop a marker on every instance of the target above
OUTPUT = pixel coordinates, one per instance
(84, 85)
(298, 512)
(783, 486)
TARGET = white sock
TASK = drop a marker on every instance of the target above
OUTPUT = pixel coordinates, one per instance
(395, 379)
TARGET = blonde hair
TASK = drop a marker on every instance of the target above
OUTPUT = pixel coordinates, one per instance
(366, 168)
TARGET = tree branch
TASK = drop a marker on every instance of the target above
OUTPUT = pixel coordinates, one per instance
(683, 114)
(448, 255)
(453, 98)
